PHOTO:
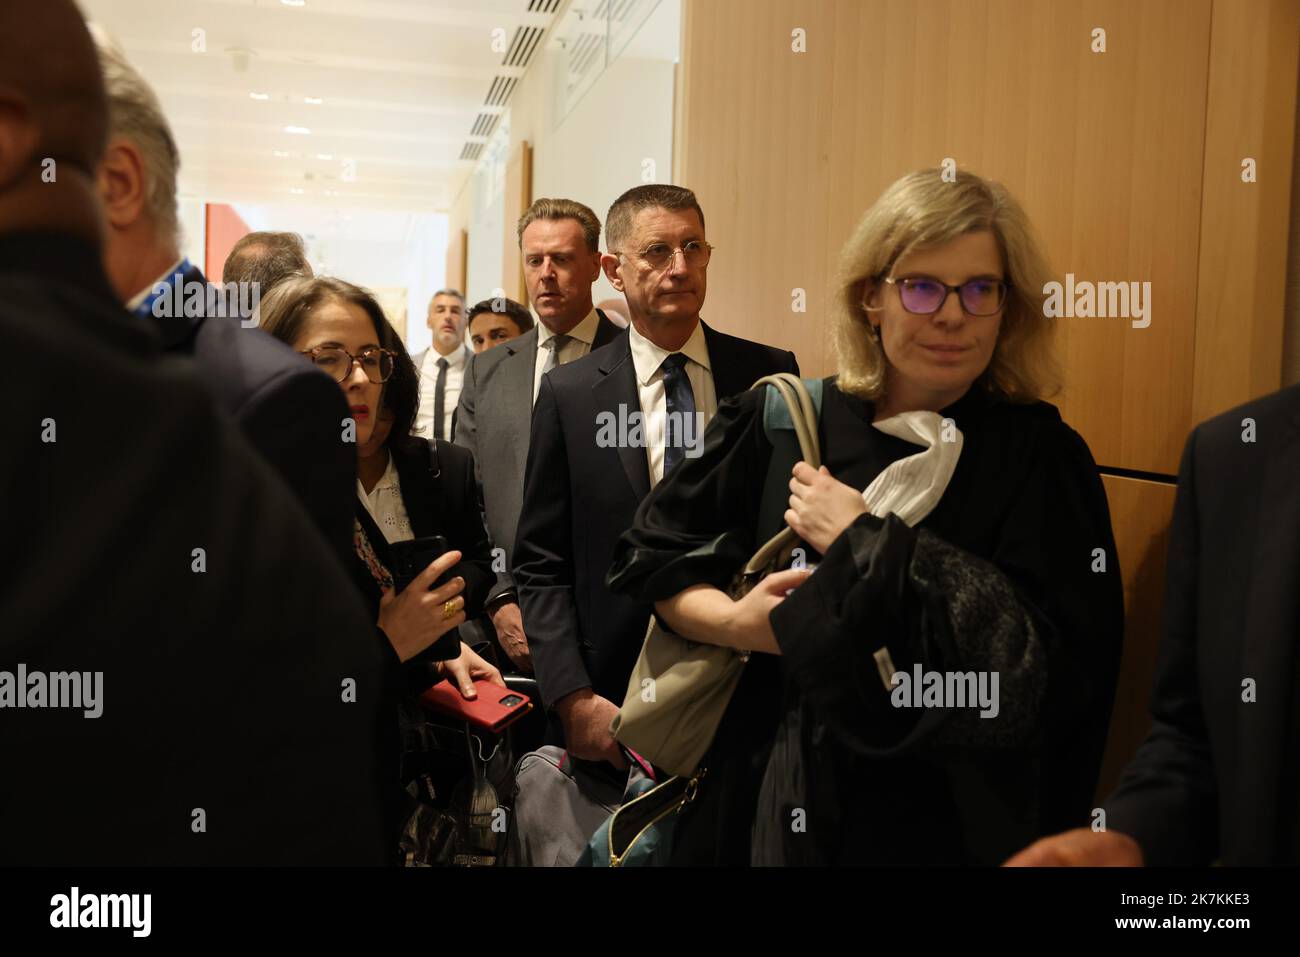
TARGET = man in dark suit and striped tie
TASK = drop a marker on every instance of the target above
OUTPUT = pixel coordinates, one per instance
(589, 465)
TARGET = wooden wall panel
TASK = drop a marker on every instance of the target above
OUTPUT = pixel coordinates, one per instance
(1251, 112)
(786, 150)
(1291, 322)
(458, 258)
(518, 197)
(1139, 513)
(756, 130)
(1127, 161)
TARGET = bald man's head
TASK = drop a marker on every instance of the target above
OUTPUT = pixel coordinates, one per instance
(51, 104)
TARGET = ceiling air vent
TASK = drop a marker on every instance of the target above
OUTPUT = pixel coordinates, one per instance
(519, 54)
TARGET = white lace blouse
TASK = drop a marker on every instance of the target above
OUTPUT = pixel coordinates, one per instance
(384, 503)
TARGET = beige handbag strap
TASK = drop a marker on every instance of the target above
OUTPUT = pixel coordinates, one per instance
(803, 413)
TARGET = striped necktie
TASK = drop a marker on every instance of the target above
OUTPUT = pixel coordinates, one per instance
(679, 402)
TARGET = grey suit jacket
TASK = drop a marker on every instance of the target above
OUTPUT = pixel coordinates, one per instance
(493, 421)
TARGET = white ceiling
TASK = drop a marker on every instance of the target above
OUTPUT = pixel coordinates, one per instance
(401, 83)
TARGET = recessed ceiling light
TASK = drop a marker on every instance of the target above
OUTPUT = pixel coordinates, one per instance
(324, 156)
(259, 96)
(304, 131)
(313, 100)
(280, 152)
(294, 3)
(296, 191)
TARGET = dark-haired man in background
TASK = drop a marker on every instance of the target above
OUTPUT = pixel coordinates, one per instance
(494, 321)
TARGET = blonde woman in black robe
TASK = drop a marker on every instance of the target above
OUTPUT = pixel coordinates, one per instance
(826, 754)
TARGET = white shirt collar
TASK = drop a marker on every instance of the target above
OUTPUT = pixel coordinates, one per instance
(648, 357)
(454, 361)
(584, 331)
(134, 303)
(386, 481)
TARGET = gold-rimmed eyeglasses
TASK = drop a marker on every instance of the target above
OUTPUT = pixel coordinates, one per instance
(695, 253)
(337, 362)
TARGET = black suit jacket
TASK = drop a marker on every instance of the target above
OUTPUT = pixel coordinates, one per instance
(241, 683)
(442, 503)
(493, 421)
(579, 498)
(290, 411)
(1215, 777)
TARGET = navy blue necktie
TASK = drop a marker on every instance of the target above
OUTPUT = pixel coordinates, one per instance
(679, 403)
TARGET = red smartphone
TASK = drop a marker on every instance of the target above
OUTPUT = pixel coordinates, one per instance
(494, 709)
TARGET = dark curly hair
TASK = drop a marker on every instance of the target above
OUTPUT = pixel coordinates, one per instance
(284, 312)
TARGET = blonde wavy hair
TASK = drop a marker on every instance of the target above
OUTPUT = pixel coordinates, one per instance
(921, 211)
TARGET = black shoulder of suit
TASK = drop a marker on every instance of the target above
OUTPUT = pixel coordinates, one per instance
(1277, 409)
(53, 274)
(173, 564)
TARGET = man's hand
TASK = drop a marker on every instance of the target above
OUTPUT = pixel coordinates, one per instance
(821, 507)
(509, 625)
(586, 717)
(1081, 847)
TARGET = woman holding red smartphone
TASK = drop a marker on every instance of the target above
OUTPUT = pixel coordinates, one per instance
(406, 489)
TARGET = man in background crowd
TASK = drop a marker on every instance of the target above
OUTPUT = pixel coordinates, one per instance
(442, 365)
(266, 258)
(559, 242)
(290, 412)
(494, 321)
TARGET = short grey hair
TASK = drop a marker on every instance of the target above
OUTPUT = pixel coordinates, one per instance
(135, 114)
(448, 292)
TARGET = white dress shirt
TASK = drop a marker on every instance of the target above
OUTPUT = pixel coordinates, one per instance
(385, 505)
(647, 358)
(429, 390)
(581, 337)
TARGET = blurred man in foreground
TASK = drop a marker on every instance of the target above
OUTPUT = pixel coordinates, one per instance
(1217, 777)
(185, 672)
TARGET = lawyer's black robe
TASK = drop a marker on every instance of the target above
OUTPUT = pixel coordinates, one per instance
(999, 577)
